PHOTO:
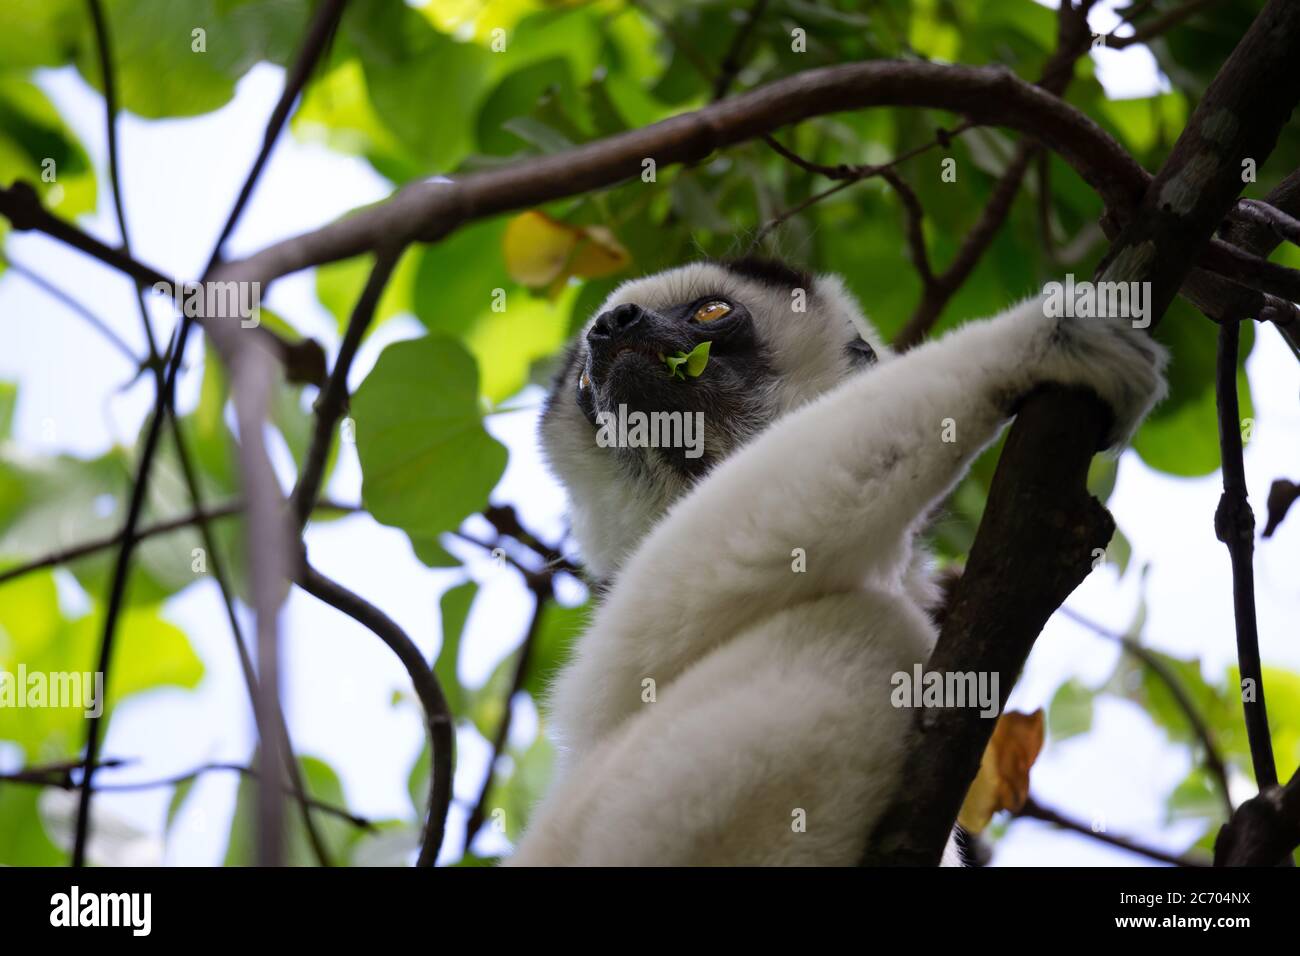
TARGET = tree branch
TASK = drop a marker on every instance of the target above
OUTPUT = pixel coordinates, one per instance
(1072, 38)
(1283, 225)
(95, 545)
(1033, 810)
(72, 304)
(437, 715)
(333, 399)
(1040, 525)
(1213, 759)
(735, 52)
(1264, 831)
(251, 376)
(1157, 26)
(60, 776)
(427, 211)
(1234, 525)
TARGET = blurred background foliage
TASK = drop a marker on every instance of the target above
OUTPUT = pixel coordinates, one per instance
(418, 90)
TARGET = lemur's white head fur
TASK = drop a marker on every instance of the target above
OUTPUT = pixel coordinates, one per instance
(783, 339)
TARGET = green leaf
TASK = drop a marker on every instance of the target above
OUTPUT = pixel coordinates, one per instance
(339, 286)
(455, 278)
(160, 69)
(8, 400)
(1186, 441)
(694, 362)
(40, 32)
(36, 146)
(405, 60)
(427, 463)
(522, 93)
(23, 840)
(1070, 713)
(150, 652)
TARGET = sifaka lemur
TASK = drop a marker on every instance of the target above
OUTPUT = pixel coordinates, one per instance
(730, 702)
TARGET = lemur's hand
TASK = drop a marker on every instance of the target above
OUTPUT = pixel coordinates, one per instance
(1122, 364)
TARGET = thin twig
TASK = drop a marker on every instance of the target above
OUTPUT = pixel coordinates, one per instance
(333, 399)
(1033, 810)
(95, 545)
(1071, 43)
(60, 776)
(1158, 26)
(271, 823)
(505, 520)
(427, 689)
(100, 326)
(731, 63)
(915, 228)
(1213, 759)
(109, 78)
(847, 175)
(1234, 524)
(188, 472)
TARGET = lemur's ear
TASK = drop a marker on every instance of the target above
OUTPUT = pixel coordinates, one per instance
(861, 354)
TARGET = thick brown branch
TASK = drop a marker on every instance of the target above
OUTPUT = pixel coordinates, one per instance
(1264, 831)
(427, 211)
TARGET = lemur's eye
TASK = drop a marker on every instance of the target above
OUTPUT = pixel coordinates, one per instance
(584, 381)
(711, 311)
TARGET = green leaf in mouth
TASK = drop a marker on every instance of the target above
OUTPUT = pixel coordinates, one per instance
(682, 364)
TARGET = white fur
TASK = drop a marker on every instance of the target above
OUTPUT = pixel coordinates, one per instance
(772, 688)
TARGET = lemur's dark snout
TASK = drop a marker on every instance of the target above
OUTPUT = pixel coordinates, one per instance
(616, 323)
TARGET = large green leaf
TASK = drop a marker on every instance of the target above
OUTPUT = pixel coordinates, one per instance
(166, 68)
(149, 652)
(38, 148)
(426, 460)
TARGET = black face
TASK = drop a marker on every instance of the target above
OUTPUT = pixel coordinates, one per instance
(623, 364)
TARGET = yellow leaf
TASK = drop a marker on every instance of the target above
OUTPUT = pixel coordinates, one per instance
(1003, 779)
(537, 248)
(542, 252)
(598, 254)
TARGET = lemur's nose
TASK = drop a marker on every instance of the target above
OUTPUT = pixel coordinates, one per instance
(616, 322)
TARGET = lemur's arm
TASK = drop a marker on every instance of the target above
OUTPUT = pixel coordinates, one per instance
(845, 479)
